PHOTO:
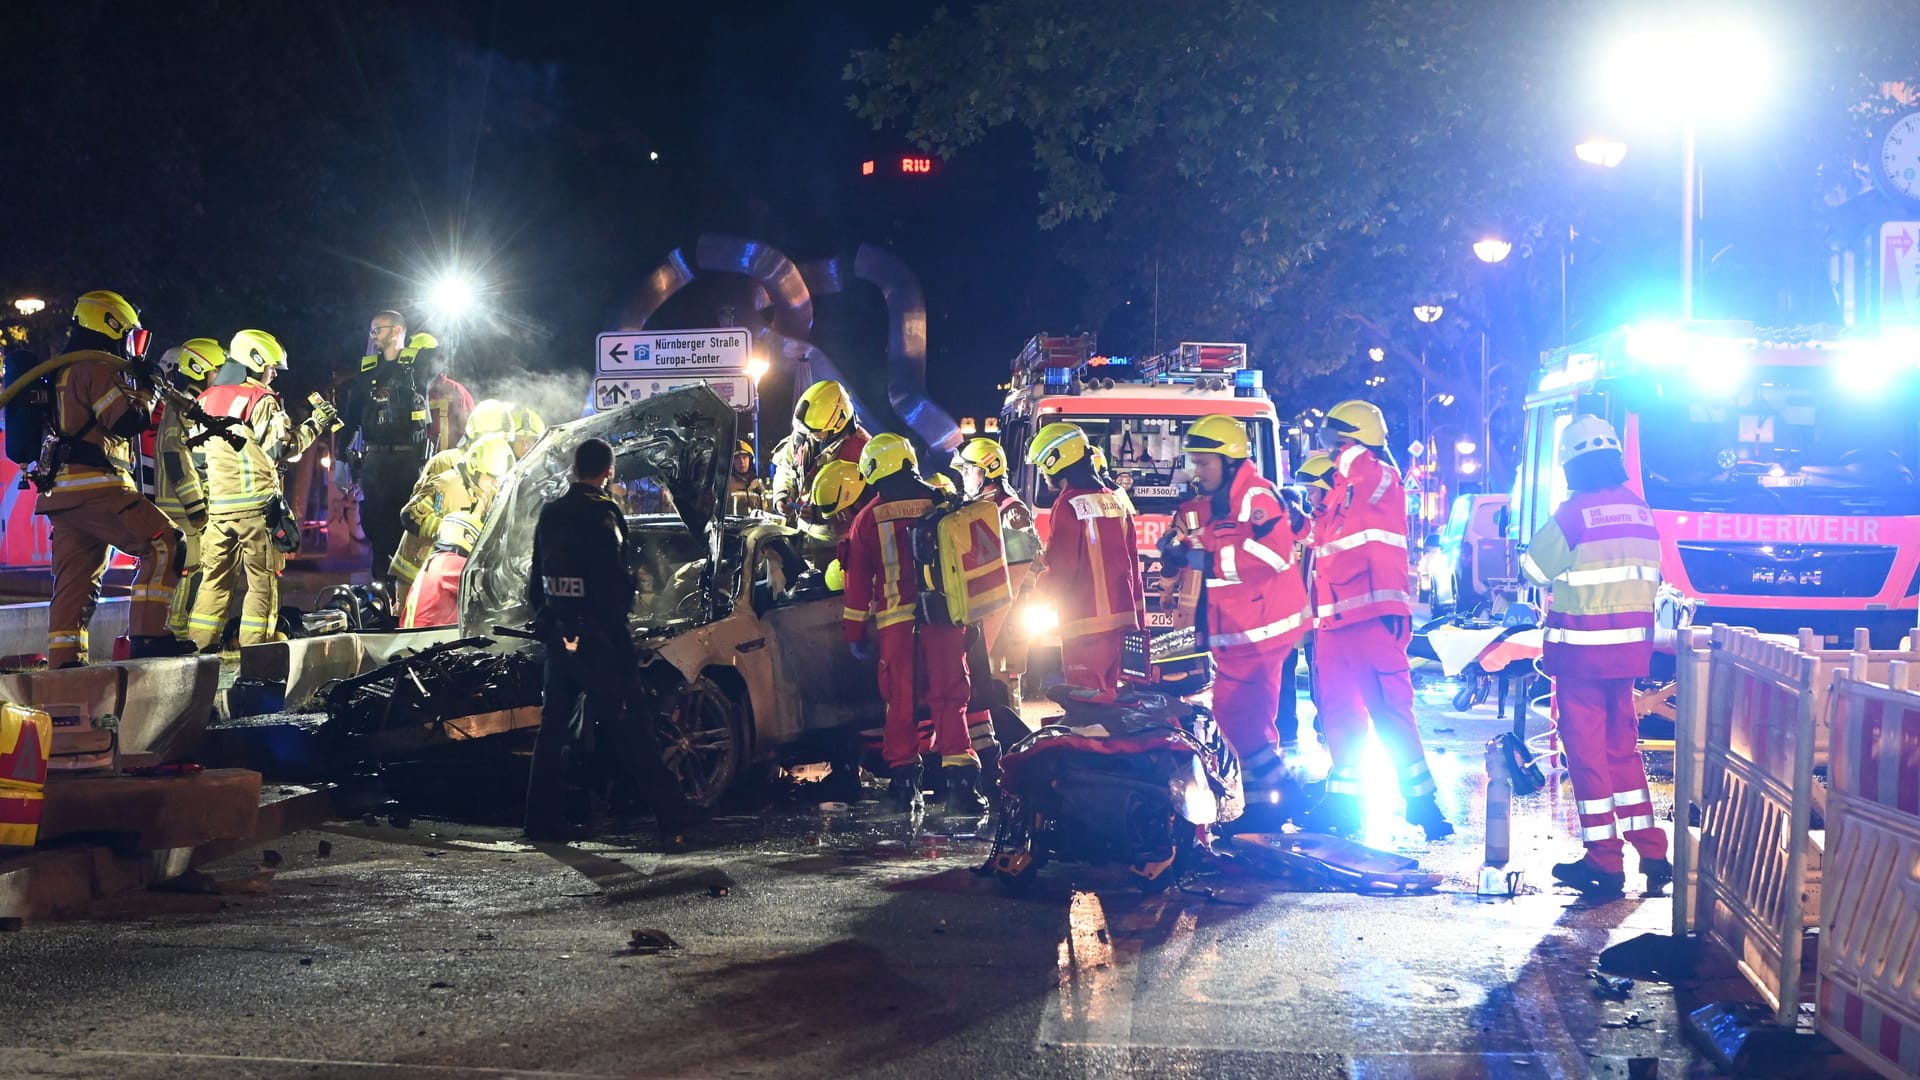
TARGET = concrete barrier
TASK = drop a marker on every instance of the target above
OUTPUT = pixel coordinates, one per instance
(303, 666)
(166, 704)
(23, 627)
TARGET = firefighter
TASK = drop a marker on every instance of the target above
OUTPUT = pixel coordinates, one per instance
(1113, 483)
(581, 593)
(838, 495)
(449, 403)
(982, 466)
(920, 663)
(1254, 596)
(467, 483)
(90, 500)
(241, 485)
(745, 491)
(1364, 615)
(387, 412)
(1600, 556)
(823, 430)
(490, 417)
(1092, 571)
(180, 490)
(1312, 480)
(434, 599)
(525, 426)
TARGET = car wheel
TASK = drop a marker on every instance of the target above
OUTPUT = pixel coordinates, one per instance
(703, 742)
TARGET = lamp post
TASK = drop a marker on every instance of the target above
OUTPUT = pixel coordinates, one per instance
(29, 305)
(757, 370)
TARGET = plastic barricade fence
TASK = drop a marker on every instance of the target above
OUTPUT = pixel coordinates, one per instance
(1693, 652)
(1756, 804)
(1869, 966)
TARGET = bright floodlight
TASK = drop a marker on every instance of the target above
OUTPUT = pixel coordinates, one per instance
(29, 305)
(756, 368)
(1868, 366)
(1602, 152)
(452, 297)
(1706, 66)
(1427, 313)
(1492, 249)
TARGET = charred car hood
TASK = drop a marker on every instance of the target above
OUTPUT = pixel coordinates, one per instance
(679, 444)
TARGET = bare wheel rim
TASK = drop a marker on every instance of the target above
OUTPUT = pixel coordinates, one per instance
(699, 745)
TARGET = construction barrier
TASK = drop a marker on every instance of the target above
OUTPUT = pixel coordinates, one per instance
(1869, 966)
(1756, 804)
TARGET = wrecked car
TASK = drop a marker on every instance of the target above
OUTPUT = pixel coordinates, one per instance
(742, 662)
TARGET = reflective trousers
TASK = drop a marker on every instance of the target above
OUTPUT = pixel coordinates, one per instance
(84, 530)
(1092, 662)
(924, 666)
(1599, 730)
(1246, 698)
(1362, 680)
(235, 554)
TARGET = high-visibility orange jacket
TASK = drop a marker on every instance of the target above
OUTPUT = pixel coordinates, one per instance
(882, 580)
(1093, 571)
(1256, 597)
(1360, 568)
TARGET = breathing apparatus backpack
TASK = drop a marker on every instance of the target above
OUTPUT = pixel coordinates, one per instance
(962, 559)
(29, 415)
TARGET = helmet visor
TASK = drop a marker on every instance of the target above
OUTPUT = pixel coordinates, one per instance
(137, 341)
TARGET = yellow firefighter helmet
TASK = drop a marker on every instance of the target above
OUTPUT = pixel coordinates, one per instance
(257, 350)
(983, 454)
(1218, 434)
(1361, 421)
(824, 410)
(1316, 470)
(885, 455)
(837, 487)
(1057, 446)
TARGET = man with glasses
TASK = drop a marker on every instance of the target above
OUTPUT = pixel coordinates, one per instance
(387, 411)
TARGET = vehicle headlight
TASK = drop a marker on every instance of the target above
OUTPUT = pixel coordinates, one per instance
(1040, 618)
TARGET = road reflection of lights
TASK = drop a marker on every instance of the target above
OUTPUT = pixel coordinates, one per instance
(1086, 964)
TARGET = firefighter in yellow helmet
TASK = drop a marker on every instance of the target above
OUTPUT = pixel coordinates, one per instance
(824, 429)
(179, 469)
(982, 467)
(243, 488)
(526, 427)
(490, 417)
(838, 494)
(746, 492)
(434, 599)
(1114, 483)
(1092, 571)
(465, 485)
(87, 488)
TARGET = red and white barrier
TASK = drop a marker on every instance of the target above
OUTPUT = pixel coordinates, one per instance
(1869, 968)
(1756, 802)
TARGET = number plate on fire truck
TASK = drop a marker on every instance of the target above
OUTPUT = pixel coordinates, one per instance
(1159, 620)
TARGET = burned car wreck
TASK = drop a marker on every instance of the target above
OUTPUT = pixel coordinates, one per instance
(742, 664)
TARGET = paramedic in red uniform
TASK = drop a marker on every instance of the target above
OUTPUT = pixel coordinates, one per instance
(1364, 609)
(1255, 598)
(1092, 570)
(1600, 555)
(920, 663)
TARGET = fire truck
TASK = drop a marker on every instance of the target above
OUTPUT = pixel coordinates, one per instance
(1779, 464)
(1137, 412)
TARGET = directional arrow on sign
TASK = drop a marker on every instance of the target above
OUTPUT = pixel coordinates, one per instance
(618, 352)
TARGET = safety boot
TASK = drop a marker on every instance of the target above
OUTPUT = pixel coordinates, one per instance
(1333, 815)
(1424, 811)
(144, 646)
(1659, 875)
(903, 791)
(1591, 881)
(963, 791)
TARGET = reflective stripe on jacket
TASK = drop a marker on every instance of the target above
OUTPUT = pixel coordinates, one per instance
(90, 400)
(1093, 570)
(1360, 567)
(1256, 598)
(1600, 554)
(881, 577)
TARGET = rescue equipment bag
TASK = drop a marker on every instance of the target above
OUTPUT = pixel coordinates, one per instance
(283, 528)
(29, 415)
(962, 558)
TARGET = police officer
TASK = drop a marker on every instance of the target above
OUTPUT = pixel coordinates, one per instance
(1600, 555)
(387, 412)
(581, 593)
(90, 501)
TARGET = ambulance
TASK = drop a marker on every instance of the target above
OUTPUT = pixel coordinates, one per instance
(1137, 411)
(1779, 464)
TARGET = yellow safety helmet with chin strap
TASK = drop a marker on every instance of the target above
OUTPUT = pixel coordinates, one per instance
(1361, 421)
(1057, 446)
(885, 455)
(983, 454)
(1316, 470)
(837, 487)
(257, 350)
(824, 410)
(200, 357)
(490, 417)
(1218, 434)
(459, 530)
(110, 315)
(1585, 435)
(491, 455)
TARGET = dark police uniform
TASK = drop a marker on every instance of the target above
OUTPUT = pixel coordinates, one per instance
(580, 590)
(388, 411)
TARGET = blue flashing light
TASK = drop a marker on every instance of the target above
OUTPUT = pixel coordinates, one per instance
(1249, 379)
(1657, 344)
(1058, 379)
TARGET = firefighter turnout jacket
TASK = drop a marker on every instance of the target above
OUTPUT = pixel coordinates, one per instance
(244, 481)
(1600, 554)
(797, 460)
(1092, 571)
(446, 486)
(98, 411)
(579, 585)
(1255, 594)
(177, 487)
(1360, 568)
(882, 578)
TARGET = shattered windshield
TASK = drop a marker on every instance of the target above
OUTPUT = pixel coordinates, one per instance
(670, 461)
(1791, 442)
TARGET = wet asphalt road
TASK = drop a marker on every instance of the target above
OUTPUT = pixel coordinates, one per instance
(803, 944)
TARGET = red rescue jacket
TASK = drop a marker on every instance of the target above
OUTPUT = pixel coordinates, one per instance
(1256, 598)
(881, 577)
(1360, 568)
(434, 599)
(1093, 571)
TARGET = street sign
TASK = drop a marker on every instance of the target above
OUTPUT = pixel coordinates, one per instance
(610, 392)
(1900, 272)
(673, 352)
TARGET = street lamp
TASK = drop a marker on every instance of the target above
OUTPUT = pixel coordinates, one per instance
(1376, 354)
(1465, 446)
(451, 298)
(1704, 67)
(1429, 313)
(1468, 467)
(756, 370)
(1605, 153)
(1492, 249)
(29, 305)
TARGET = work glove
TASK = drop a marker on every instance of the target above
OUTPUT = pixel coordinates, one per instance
(197, 520)
(862, 650)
